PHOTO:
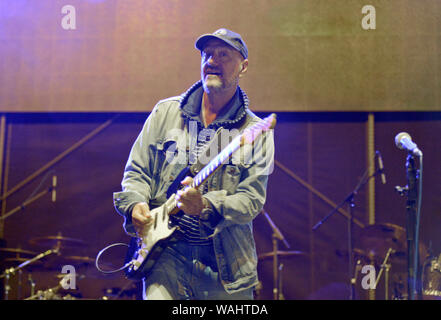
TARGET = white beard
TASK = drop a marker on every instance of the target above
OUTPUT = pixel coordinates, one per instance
(216, 84)
(213, 83)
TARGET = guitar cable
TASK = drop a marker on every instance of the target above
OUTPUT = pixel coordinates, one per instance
(128, 264)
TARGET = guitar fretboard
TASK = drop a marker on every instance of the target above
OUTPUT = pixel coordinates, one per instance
(216, 162)
(248, 136)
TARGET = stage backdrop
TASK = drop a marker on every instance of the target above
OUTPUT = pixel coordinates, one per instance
(327, 151)
(305, 55)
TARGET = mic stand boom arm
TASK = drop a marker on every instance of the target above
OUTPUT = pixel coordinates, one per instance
(26, 203)
(349, 198)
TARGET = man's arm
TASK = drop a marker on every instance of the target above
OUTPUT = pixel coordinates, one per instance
(137, 179)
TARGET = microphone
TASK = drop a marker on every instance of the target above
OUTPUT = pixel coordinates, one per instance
(404, 142)
(381, 167)
(54, 188)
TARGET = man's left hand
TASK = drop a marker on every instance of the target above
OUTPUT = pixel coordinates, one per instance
(189, 199)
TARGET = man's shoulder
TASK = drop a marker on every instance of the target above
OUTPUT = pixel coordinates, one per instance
(170, 100)
(165, 106)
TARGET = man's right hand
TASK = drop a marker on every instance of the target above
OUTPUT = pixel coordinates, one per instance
(141, 218)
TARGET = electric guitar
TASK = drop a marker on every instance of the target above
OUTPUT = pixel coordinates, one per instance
(144, 251)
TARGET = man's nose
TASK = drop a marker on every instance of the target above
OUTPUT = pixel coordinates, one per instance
(212, 60)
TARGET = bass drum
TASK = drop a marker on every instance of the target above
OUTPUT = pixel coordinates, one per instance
(432, 279)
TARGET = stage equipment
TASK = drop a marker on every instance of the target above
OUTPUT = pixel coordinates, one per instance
(350, 200)
(413, 191)
(275, 254)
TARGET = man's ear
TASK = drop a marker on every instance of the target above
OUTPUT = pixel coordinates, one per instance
(244, 68)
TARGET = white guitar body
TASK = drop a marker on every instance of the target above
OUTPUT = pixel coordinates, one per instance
(158, 230)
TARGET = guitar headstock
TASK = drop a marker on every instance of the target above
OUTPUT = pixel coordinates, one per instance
(250, 134)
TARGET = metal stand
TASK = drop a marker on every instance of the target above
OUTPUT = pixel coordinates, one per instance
(32, 283)
(27, 202)
(386, 267)
(412, 224)
(276, 236)
(8, 272)
(350, 201)
(412, 254)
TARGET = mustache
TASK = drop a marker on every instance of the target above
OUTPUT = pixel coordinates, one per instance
(208, 70)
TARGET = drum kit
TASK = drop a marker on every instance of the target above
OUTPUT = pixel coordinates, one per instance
(18, 262)
(383, 246)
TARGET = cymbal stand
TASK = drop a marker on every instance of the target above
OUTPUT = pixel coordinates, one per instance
(276, 235)
(8, 272)
(280, 282)
(385, 266)
(356, 272)
(19, 284)
(32, 283)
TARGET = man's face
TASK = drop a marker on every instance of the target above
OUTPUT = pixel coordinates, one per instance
(221, 66)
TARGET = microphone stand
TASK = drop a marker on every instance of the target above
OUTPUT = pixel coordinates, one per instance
(277, 235)
(411, 191)
(412, 252)
(350, 201)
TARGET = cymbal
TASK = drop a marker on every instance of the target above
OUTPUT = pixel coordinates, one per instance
(76, 260)
(56, 262)
(63, 275)
(377, 239)
(17, 251)
(282, 254)
(358, 253)
(79, 259)
(58, 240)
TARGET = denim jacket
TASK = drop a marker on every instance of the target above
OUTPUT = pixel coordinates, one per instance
(236, 192)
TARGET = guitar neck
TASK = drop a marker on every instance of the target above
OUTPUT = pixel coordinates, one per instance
(171, 204)
(248, 136)
(216, 162)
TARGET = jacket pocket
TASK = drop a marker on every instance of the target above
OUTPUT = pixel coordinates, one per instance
(170, 159)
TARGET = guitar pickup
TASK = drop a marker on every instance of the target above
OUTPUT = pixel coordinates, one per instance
(143, 253)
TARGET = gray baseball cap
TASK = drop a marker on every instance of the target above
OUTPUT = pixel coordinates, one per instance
(231, 38)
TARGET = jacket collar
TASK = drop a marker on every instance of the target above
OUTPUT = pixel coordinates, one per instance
(191, 106)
